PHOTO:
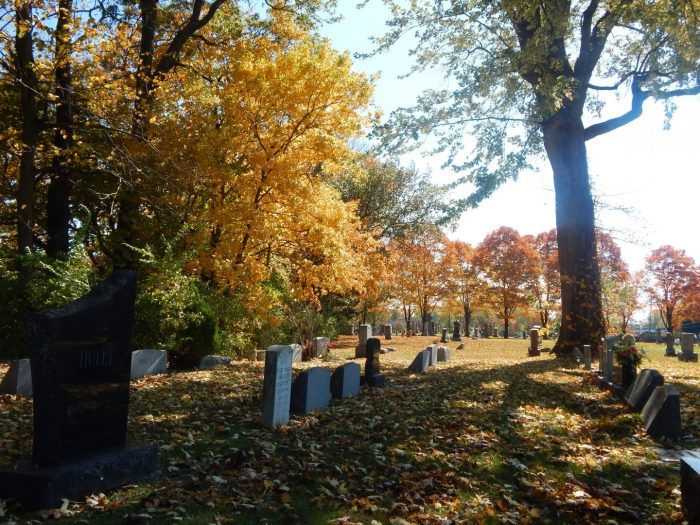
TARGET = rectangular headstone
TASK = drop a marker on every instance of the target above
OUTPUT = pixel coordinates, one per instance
(578, 355)
(587, 357)
(690, 489)
(456, 329)
(320, 346)
(642, 388)
(670, 350)
(345, 381)
(213, 362)
(148, 362)
(421, 362)
(609, 370)
(373, 377)
(432, 349)
(443, 339)
(18, 380)
(364, 334)
(297, 353)
(687, 343)
(662, 413)
(443, 354)
(277, 385)
(311, 390)
(387, 331)
(602, 358)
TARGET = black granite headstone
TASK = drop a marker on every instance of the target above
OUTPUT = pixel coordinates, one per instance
(311, 390)
(638, 394)
(690, 489)
(345, 381)
(81, 366)
(372, 376)
(421, 362)
(662, 413)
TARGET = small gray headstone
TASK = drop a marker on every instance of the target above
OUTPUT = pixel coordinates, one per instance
(421, 362)
(443, 354)
(311, 390)
(148, 362)
(364, 334)
(320, 346)
(602, 357)
(456, 329)
(277, 385)
(640, 392)
(670, 350)
(345, 381)
(432, 349)
(18, 380)
(387, 331)
(587, 357)
(297, 352)
(212, 362)
(662, 413)
(443, 339)
(690, 489)
(658, 336)
(687, 342)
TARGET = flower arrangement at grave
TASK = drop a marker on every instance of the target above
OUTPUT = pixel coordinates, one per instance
(627, 353)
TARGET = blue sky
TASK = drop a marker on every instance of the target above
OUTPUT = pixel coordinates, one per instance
(651, 172)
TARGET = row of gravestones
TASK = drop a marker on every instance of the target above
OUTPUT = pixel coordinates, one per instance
(658, 403)
(429, 357)
(312, 389)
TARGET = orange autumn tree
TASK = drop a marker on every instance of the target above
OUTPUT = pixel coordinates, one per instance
(510, 268)
(670, 274)
(547, 287)
(615, 277)
(463, 281)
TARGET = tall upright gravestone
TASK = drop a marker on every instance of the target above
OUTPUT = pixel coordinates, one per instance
(81, 367)
(365, 333)
(277, 385)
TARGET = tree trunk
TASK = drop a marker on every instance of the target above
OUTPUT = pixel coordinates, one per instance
(467, 319)
(24, 49)
(506, 326)
(582, 318)
(58, 214)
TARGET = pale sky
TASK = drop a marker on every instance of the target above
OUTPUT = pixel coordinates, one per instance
(651, 171)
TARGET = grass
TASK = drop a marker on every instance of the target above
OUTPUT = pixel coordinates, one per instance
(491, 437)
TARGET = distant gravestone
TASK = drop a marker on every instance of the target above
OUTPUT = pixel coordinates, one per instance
(277, 384)
(443, 354)
(670, 351)
(387, 332)
(443, 339)
(658, 336)
(213, 362)
(524, 334)
(460, 346)
(578, 355)
(456, 331)
(690, 489)
(609, 357)
(365, 333)
(311, 390)
(495, 331)
(373, 377)
(662, 413)
(18, 380)
(345, 381)
(534, 349)
(421, 362)
(432, 349)
(148, 362)
(687, 354)
(587, 357)
(297, 353)
(320, 347)
(81, 365)
(476, 332)
(640, 392)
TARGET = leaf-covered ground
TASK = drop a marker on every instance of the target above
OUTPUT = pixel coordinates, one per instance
(491, 437)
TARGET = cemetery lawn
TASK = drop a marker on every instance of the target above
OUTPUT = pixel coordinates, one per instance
(491, 437)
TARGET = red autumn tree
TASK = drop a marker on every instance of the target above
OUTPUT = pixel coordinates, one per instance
(464, 283)
(510, 267)
(670, 276)
(547, 288)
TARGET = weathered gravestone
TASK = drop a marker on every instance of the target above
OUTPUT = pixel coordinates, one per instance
(443, 339)
(148, 362)
(587, 357)
(662, 413)
(658, 336)
(456, 329)
(311, 390)
(320, 347)
(345, 381)
(670, 351)
(372, 376)
(687, 354)
(213, 362)
(690, 489)
(387, 331)
(609, 358)
(642, 388)
(18, 380)
(365, 334)
(432, 354)
(495, 331)
(81, 365)
(277, 385)
(534, 349)
(297, 352)
(421, 362)
(443, 354)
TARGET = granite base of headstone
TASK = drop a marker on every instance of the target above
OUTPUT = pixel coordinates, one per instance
(18, 380)
(373, 377)
(277, 384)
(81, 367)
(421, 362)
(311, 390)
(345, 381)
(640, 392)
(443, 354)
(148, 362)
(214, 362)
(690, 489)
(662, 413)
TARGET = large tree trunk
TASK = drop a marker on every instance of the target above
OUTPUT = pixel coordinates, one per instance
(506, 327)
(24, 49)
(467, 319)
(582, 319)
(58, 214)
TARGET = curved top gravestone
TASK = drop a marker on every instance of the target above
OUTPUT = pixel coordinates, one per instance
(81, 366)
